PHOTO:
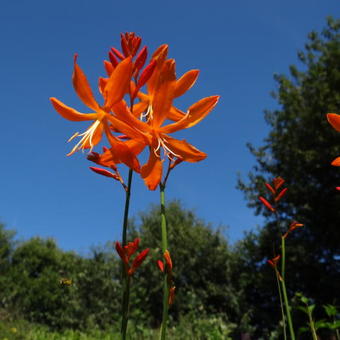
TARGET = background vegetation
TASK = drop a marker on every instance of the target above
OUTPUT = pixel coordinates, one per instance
(222, 291)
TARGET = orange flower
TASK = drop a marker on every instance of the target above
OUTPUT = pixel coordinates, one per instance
(103, 118)
(273, 262)
(157, 135)
(127, 251)
(181, 86)
(294, 225)
(168, 271)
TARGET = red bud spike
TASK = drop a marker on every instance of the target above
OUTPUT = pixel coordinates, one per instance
(266, 204)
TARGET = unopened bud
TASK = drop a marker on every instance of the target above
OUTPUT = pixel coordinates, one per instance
(266, 204)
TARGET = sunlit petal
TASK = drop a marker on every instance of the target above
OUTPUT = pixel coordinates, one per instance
(336, 161)
(164, 95)
(82, 87)
(185, 150)
(151, 172)
(195, 114)
(184, 83)
(118, 83)
(70, 113)
(334, 120)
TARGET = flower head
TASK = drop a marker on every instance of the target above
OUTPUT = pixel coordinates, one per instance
(126, 252)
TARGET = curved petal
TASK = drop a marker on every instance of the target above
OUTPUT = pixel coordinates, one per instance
(164, 93)
(128, 120)
(135, 146)
(101, 84)
(108, 67)
(334, 120)
(124, 128)
(83, 88)
(121, 152)
(139, 108)
(184, 150)
(69, 113)
(195, 114)
(159, 55)
(151, 172)
(118, 83)
(336, 161)
(175, 114)
(184, 83)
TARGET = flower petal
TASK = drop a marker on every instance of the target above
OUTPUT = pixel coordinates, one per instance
(71, 114)
(336, 161)
(334, 120)
(195, 114)
(151, 172)
(175, 114)
(164, 93)
(183, 149)
(82, 87)
(184, 83)
(122, 152)
(118, 83)
(127, 128)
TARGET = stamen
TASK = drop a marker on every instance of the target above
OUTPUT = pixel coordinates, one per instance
(87, 136)
(148, 114)
(167, 151)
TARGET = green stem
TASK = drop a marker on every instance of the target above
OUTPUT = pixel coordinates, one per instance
(281, 306)
(289, 317)
(126, 299)
(126, 209)
(283, 257)
(125, 277)
(311, 324)
(164, 248)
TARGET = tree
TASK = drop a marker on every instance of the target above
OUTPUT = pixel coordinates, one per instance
(299, 148)
(202, 267)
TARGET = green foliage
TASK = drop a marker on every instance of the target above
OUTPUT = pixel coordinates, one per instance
(203, 275)
(32, 289)
(202, 267)
(212, 328)
(326, 327)
(299, 147)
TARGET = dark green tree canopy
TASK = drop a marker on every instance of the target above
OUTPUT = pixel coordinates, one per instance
(300, 147)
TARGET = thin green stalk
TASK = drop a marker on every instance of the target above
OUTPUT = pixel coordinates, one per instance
(125, 277)
(284, 291)
(164, 248)
(281, 306)
(311, 324)
(283, 257)
(125, 311)
(126, 209)
(337, 333)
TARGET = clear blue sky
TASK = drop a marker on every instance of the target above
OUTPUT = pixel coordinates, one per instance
(237, 45)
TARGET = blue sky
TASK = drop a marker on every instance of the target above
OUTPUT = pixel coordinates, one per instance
(238, 46)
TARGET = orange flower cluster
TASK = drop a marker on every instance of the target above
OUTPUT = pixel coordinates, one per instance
(167, 269)
(334, 120)
(273, 189)
(145, 118)
(127, 251)
(273, 262)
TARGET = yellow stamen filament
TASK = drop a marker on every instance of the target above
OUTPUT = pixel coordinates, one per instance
(167, 151)
(86, 138)
(148, 114)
